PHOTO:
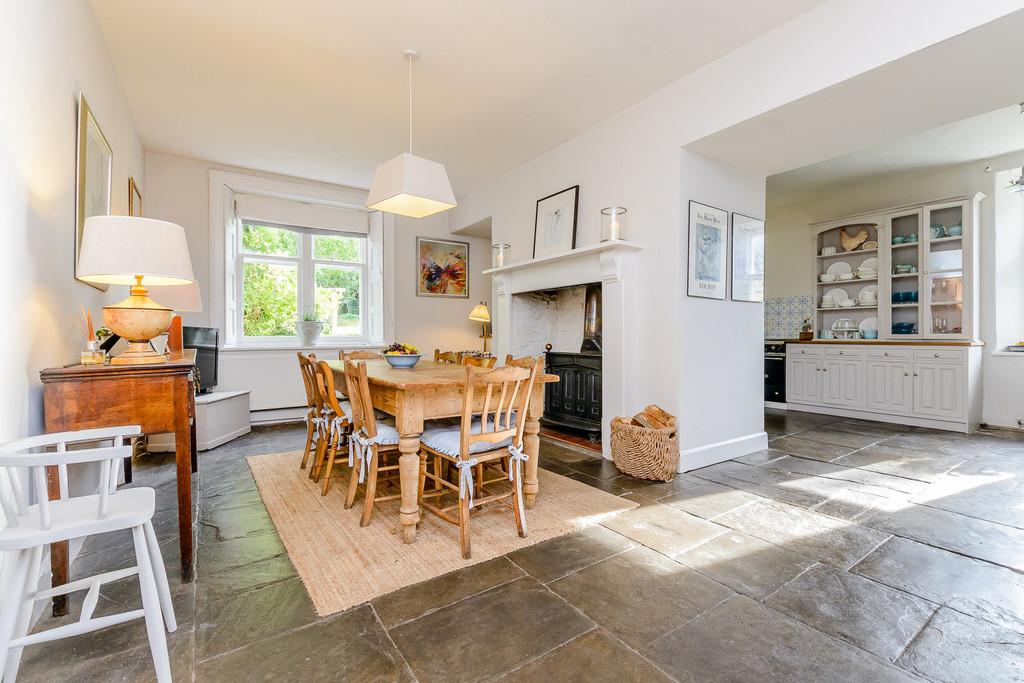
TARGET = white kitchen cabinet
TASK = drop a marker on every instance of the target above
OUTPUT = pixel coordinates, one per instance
(890, 386)
(939, 389)
(927, 385)
(803, 379)
(842, 381)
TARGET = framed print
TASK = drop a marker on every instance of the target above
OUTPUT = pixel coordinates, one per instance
(554, 224)
(92, 190)
(708, 239)
(443, 268)
(747, 258)
(134, 198)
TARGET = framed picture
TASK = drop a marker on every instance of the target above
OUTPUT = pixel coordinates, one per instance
(708, 238)
(92, 188)
(747, 258)
(443, 268)
(554, 225)
(134, 198)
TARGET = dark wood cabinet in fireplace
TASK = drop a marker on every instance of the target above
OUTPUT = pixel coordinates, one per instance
(575, 400)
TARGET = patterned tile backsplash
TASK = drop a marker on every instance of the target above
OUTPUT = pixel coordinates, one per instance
(784, 315)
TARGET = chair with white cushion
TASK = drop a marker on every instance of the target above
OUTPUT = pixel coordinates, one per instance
(32, 527)
(371, 444)
(336, 422)
(491, 443)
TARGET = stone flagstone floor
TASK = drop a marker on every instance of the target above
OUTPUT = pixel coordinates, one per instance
(848, 550)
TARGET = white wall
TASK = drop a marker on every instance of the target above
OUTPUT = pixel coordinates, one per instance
(179, 191)
(790, 255)
(633, 160)
(49, 52)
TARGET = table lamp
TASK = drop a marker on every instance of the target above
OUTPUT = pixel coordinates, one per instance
(128, 250)
(480, 314)
(180, 299)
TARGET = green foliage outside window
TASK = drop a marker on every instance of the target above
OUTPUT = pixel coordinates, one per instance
(270, 302)
(262, 239)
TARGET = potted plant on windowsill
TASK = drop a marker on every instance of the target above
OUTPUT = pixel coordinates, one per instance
(309, 328)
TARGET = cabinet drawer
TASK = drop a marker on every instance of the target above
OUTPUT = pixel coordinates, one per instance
(804, 351)
(940, 355)
(844, 352)
(891, 353)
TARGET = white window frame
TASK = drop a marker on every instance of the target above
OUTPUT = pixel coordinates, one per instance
(306, 267)
(221, 296)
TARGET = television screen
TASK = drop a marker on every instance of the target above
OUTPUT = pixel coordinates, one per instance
(204, 341)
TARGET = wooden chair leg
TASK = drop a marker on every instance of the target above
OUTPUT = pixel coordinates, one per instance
(314, 470)
(309, 444)
(353, 483)
(423, 478)
(479, 483)
(332, 451)
(464, 527)
(518, 506)
(370, 493)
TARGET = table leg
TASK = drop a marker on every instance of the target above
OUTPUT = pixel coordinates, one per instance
(409, 473)
(531, 445)
(58, 551)
(183, 462)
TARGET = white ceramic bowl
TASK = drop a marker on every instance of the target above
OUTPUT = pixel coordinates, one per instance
(848, 303)
(827, 277)
(846, 276)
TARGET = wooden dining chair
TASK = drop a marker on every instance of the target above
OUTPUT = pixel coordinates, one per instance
(373, 443)
(486, 362)
(337, 426)
(494, 441)
(358, 354)
(313, 407)
(451, 357)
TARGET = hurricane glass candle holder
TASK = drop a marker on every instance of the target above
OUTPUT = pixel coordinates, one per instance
(500, 255)
(613, 223)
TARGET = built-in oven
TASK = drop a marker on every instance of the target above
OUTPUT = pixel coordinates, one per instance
(775, 371)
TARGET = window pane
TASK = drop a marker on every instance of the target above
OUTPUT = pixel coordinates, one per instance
(262, 239)
(332, 248)
(269, 299)
(337, 300)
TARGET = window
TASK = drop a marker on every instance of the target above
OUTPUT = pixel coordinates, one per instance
(285, 273)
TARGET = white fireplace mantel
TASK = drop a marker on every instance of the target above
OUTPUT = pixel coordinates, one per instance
(600, 263)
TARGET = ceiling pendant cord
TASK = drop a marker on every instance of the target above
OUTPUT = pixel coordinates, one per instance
(410, 55)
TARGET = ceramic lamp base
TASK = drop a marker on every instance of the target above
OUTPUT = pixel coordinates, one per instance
(138, 353)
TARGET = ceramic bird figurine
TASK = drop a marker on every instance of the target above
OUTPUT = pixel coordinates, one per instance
(851, 242)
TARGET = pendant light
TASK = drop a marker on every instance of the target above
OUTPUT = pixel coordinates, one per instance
(409, 185)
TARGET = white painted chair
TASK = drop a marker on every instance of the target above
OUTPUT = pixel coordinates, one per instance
(30, 528)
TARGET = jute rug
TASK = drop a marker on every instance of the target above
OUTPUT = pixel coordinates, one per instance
(343, 564)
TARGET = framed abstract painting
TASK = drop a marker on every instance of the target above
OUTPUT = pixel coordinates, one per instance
(554, 224)
(443, 268)
(709, 246)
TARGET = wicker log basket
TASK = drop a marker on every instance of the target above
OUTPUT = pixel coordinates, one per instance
(646, 446)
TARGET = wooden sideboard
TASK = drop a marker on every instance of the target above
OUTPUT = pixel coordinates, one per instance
(158, 398)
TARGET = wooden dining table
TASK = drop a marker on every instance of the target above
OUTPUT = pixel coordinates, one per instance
(429, 391)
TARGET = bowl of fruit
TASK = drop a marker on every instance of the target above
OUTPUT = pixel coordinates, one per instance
(400, 355)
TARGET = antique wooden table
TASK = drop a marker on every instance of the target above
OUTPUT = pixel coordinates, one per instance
(429, 391)
(158, 398)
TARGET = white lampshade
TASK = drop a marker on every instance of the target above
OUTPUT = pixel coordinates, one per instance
(178, 298)
(480, 313)
(411, 186)
(115, 249)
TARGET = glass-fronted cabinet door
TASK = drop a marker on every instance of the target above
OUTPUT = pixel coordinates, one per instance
(943, 253)
(903, 259)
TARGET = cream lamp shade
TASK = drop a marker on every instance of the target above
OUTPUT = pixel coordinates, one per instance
(178, 298)
(480, 313)
(116, 249)
(411, 186)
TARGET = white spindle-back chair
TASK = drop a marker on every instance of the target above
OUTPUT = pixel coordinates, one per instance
(33, 521)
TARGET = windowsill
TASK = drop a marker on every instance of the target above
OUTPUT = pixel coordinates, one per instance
(231, 348)
(1008, 354)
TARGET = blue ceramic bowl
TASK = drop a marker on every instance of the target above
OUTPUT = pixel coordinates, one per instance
(898, 239)
(406, 360)
(869, 334)
(903, 328)
(955, 230)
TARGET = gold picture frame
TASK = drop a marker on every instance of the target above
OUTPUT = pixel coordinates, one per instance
(134, 198)
(95, 163)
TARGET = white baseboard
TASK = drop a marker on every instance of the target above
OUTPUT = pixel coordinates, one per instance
(776, 405)
(702, 456)
(277, 415)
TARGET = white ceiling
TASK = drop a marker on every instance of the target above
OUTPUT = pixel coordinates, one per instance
(317, 88)
(980, 137)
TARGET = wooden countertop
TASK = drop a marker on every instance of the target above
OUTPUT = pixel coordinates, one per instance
(424, 375)
(898, 342)
(176, 361)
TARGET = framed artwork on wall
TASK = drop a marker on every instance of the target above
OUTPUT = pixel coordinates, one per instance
(442, 268)
(554, 224)
(709, 245)
(747, 258)
(92, 186)
(134, 198)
